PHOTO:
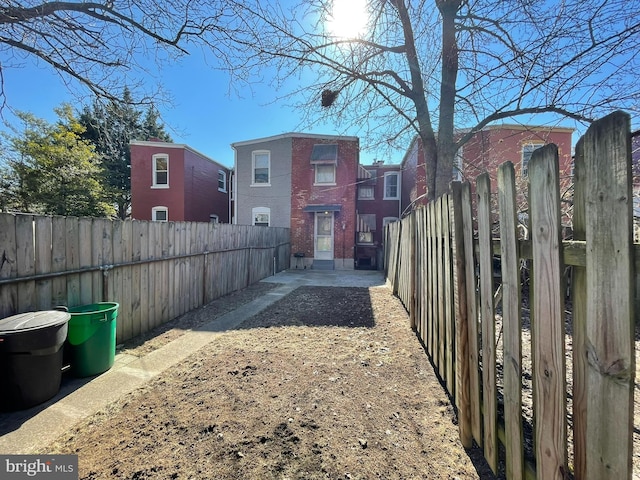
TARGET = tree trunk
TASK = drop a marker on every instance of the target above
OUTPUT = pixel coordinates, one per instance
(446, 145)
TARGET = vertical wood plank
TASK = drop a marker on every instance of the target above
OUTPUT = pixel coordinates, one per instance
(125, 278)
(548, 321)
(579, 315)
(8, 265)
(116, 284)
(461, 318)
(609, 340)
(107, 258)
(424, 283)
(413, 273)
(511, 321)
(485, 262)
(97, 259)
(44, 289)
(472, 314)
(448, 300)
(439, 288)
(25, 262)
(430, 325)
(85, 234)
(169, 300)
(72, 249)
(140, 301)
(58, 259)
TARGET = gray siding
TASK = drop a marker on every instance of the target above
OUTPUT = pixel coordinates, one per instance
(277, 196)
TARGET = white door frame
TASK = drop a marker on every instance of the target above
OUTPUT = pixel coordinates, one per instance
(323, 243)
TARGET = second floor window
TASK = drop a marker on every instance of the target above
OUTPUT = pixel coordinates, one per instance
(160, 171)
(222, 181)
(391, 186)
(261, 174)
(365, 192)
(325, 174)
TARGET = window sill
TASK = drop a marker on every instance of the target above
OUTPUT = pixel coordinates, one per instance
(366, 199)
(260, 185)
(160, 186)
(324, 184)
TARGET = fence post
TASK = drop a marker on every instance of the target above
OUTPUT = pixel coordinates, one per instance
(609, 341)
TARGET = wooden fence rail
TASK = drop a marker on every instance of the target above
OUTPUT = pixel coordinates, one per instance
(553, 383)
(156, 271)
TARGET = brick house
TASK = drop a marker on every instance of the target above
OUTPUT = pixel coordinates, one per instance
(484, 152)
(304, 182)
(379, 192)
(173, 182)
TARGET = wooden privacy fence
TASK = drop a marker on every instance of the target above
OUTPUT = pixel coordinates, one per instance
(156, 271)
(551, 380)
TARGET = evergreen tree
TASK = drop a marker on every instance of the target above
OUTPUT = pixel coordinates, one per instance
(111, 127)
(53, 170)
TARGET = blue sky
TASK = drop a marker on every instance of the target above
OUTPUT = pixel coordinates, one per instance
(202, 113)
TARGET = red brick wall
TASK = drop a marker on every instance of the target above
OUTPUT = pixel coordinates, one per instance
(202, 197)
(414, 177)
(193, 185)
(143, 197)
(304, 193)
(492, 147)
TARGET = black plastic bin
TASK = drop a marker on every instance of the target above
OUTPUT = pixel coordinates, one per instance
(31, 349)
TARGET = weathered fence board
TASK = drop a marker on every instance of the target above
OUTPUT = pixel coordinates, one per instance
(25, 261)
(511, 322)
(489, 392)
(579, 314)
(155, 271)
(609, 321)
(603, 260)
(44, 290)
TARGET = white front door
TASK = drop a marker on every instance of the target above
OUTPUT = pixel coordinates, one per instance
(323, 236)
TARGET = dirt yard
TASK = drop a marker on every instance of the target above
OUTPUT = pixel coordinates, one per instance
(327, 383)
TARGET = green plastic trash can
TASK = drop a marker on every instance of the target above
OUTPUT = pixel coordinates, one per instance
(91, 339)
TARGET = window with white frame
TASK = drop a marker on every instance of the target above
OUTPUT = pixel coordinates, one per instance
(261, 216)
(160, 170)
(365, 192)
(391, 186)
(527, 151)
(325, 174)
(261, 171)
(222, 181)
(160, 214)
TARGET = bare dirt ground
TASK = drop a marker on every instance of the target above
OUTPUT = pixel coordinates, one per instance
(327, 383)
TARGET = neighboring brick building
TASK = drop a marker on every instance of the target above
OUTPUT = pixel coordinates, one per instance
(173, 182)
(484, 152)
(307, 183)
(379, 193)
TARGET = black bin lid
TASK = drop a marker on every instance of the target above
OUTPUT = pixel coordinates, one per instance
(33, 321)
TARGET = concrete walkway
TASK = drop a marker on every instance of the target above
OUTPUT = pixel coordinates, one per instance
(27, 431)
